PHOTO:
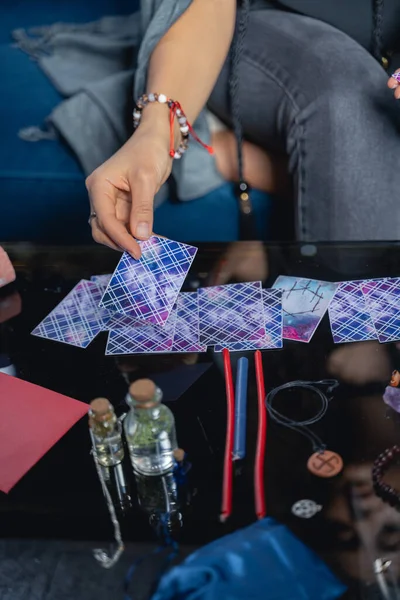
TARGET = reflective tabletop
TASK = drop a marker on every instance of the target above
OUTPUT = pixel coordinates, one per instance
(60, 498)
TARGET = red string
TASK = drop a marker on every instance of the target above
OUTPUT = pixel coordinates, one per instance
(172, 114)
(226, 507)
(259, 491)
(171, 130)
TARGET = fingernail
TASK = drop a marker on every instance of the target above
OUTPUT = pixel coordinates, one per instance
(136, 255)
(143, 230)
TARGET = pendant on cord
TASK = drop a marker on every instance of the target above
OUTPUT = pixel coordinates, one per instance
(325, 463)
(322, 463)
(305, 509)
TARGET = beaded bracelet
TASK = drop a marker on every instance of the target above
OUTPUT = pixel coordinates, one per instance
(381, 464)
(175, 110)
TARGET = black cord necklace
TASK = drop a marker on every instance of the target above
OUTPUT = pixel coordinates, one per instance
(323, 462)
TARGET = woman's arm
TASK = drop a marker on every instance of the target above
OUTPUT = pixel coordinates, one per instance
(184, 65)
(187, 61)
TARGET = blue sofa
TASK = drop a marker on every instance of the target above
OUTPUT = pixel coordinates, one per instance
(43, 197)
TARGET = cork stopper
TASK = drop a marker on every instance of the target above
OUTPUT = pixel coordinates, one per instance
(100, 407)
(143, 390)
(179, 455)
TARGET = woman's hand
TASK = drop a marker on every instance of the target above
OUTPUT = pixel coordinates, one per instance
(395, 85)
(243, 261)
(122, 190)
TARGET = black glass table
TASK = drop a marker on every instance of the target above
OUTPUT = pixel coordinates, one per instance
(60, 500)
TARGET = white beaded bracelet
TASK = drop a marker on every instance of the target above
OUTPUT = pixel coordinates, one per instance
(175, 111)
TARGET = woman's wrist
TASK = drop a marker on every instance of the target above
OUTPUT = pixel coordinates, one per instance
(156, 119)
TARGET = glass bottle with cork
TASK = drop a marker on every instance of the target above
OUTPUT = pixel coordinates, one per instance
(149, 430)
(105, 430)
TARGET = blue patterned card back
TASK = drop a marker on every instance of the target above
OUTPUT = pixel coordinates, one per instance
(272, 310)
(77, 319)
(187, 329)
(101, 280)
(118, 321)
(142, 339)
(147, 288)
(383, 300)
(231, 313)
(349, 315)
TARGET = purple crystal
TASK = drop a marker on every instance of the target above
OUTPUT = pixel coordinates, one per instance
(391, 397)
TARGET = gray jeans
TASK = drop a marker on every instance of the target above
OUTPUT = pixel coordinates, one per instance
(313, 93)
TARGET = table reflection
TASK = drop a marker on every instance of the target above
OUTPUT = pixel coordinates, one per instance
(355, 532)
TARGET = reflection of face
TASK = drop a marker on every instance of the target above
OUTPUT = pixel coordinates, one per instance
(366, 528)
(395, 381)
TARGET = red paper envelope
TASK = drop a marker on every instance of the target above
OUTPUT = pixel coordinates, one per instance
(32, 420)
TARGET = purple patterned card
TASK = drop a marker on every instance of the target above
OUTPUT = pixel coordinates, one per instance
(304, 303)
(118, 321)
(349, 315)
(142, 339)
(187, 330)
(272, 309)
(383, 301)
(147, 288)
(231, 313)
(101, 280)
(77, 319)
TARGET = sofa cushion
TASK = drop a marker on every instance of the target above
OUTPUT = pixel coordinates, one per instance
(41, 183)
(42, 190)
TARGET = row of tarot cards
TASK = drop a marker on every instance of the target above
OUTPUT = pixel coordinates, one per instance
(143, 309)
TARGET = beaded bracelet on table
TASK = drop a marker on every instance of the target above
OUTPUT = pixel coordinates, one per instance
(385, 491)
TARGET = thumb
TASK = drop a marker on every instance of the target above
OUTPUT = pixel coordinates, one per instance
(143, 189)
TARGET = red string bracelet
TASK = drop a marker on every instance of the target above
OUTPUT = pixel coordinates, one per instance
(226, 506)
(259, 492)
(175, 111)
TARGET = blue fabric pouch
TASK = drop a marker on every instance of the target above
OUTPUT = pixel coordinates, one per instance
(262, 562)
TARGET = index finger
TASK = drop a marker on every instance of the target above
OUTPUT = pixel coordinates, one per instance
(104, 205)
(118, 232)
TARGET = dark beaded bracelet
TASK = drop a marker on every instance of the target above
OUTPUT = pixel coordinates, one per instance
(381, 464)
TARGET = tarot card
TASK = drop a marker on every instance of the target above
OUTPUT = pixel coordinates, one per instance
(349, 315)
(118, 321)
(304, 303)
(147, 288)
(272, 310)
(142, 339)
(187, 330)
(231, 313)
(77, 319)
(383, 301)
(101, 280)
